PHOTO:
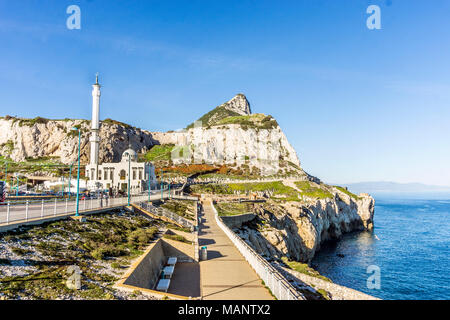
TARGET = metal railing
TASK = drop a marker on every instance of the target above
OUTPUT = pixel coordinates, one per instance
(32, 209)
(163, 212)
(183, 197)
(272, 278)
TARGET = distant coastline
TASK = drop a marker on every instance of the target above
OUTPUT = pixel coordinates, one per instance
(398, 189)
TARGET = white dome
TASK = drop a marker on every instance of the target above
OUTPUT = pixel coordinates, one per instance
(130, 152)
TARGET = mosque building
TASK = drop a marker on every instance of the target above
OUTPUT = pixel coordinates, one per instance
(114, 177)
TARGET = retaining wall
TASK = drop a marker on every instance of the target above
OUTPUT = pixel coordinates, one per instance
(237, 220)
(336, 291)
(145, 271)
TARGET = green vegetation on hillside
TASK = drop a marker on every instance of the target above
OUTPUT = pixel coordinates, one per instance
(312, 192)
(304, 268)
(31, 122)
(176, 237)
(214, 115)
(8, 146)
(233, 208)
(50, 165)
(159, 152)
(280, 191)
(183, 208)
(254, 121)
(111, 121)
(344, 190)
(211, 188)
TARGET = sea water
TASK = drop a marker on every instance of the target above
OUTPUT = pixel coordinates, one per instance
(409, 244)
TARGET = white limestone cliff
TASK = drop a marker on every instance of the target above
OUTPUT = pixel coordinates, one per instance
(297, 230)
(262, 144)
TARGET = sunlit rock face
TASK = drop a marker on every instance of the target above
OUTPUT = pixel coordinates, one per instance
(54, 138)
(297, 230)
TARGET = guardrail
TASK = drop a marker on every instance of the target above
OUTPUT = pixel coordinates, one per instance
(10, 213)
(159, 211)
(182, 197)
(34, 209)
(273, 279)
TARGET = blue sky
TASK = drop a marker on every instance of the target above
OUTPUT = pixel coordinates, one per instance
(356, 104)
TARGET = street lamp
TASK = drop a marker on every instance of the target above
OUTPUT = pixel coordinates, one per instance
(78, 172)
(63, 185)
(17, 188)
(149, 186)
(129, 176)
(162, 182)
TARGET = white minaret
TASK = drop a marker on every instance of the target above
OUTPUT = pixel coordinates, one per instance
(94, 139)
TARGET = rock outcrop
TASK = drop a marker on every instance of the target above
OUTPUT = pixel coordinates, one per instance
(21, 139)
(239, 104)
(296, 230)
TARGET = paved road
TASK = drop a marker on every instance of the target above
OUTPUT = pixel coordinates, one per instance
(226, 275)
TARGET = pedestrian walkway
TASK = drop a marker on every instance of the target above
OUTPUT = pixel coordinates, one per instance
(226, 275)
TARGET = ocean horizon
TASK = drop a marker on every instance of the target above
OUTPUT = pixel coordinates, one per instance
(410, 245)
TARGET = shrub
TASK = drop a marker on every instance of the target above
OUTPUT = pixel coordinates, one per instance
(141, 236)
(176, 237)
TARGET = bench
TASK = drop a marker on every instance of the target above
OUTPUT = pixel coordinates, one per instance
(172, 261)
(163, 285)
(168, 271)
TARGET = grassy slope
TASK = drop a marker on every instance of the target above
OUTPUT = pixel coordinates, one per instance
(159, 152)
(213, 116)
(232, 208)
(182, 208)
(342, 189)
(312, 192)
(257, 121)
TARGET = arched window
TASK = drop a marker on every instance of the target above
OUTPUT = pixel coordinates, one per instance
(123, 174)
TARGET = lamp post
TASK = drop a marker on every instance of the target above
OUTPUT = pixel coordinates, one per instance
(70, 178)
(62, 187)
(17, 188)
(78, 171)
(129, 177)
(149, 187)
(162, 182)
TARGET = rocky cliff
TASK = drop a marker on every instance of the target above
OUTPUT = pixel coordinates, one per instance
(297, 229)
(229, 134)
(32, 138)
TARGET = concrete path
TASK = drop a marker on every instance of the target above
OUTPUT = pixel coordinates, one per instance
(225, 275)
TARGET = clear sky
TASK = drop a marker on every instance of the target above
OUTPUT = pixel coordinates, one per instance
(356, 104)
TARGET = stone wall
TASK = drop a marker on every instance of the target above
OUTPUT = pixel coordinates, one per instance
(337, 292)
(147, 269)
(237, 220)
